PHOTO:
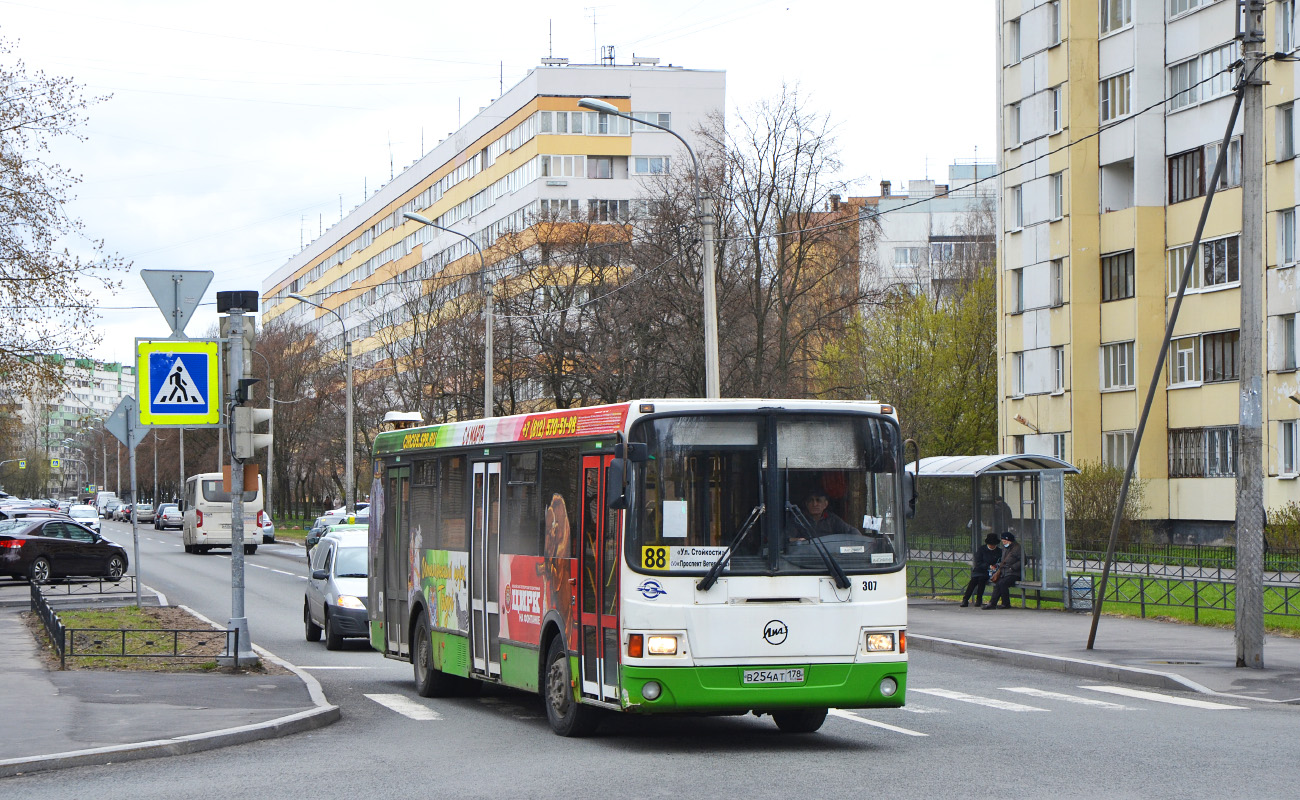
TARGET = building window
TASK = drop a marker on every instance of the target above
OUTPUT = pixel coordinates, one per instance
(607, 210)
(600, 167)
(1286, 237)
(1013, 41)
(1058, 195)
(1115, 14)
(1286, 26)
(1017, 374)
(1185, 361)
(1183, 79)
(1056, 109)
(650, 165)
(1221, 452)
(1177, 263)
(1017, 208)
(1288, 342)
(1058, 360)
(1115, 97)
(1055, 13)
(1116, 447)
(1219, 351)
(1220, 261)
(1179, 6)
(1058, 282)
(1058, 446)
(1117, 276)
(1017, 291)
(1018, 444)
(1185, 176)
(1215, 70)
(1286, 447)
(907, 256)
(1013, 120)
(1187, 453)
(1231, 171)
(1117, 365)
(1285, 132)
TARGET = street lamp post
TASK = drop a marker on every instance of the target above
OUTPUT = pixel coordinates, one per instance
(704, 205)
(487, 313)
(349, 502)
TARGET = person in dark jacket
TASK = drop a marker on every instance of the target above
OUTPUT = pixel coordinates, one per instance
(981, 568)
(1008, 572)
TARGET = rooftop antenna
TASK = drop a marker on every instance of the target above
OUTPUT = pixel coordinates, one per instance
(340, 206)
(457, 113)
(501, 81)
(390, 155)
(550, 38)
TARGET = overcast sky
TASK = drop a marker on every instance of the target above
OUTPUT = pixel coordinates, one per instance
(236, 130)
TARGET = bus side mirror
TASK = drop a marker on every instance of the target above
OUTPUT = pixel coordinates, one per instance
(909, 492)
(634, 452)
(616, 484)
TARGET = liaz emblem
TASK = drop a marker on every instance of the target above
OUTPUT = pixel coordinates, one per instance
(651, 589)
(775, 632)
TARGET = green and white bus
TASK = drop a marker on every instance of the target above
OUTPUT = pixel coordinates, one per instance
(657, 556)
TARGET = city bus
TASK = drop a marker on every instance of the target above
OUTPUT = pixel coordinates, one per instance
(206, 509)
(654, 557)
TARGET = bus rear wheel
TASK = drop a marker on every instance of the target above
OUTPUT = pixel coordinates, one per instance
(429, 680)
(800, 720)
(566, 715)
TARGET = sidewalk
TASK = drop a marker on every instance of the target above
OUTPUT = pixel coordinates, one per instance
(83, 717)
(1165, 655)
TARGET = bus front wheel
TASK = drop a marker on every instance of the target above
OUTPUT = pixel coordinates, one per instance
(566, 715)
(429, 680)
(802, 720)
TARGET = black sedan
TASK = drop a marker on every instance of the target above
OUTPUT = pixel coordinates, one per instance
(43, 549)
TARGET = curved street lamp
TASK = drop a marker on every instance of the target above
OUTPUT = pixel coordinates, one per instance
(349, 502)
(704, 205)
(487, 313)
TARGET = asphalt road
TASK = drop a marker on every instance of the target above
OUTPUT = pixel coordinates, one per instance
(971, 728)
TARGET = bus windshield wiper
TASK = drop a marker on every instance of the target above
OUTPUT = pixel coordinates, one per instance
(706, 583)
(841, 577)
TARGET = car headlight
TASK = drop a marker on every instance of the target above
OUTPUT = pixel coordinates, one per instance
(880, 642)
(348, 601)
(660, 645)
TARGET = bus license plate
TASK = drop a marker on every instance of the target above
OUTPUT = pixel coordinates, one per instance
(774, 675)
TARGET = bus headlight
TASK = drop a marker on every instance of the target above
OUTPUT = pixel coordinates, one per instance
(651, 690)
(888, 687)
(661, 645)
(880, 642)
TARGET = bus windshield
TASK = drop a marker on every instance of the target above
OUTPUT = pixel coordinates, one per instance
(793, 491)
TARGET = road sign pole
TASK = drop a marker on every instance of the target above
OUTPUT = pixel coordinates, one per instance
(238, 621)
(131, 433)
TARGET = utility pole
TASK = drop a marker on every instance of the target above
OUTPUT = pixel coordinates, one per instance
(270, 452)
(1250, 432)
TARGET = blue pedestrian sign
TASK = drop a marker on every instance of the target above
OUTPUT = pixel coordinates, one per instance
(179, 382)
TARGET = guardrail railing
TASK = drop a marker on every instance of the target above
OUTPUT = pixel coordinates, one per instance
(164, 643)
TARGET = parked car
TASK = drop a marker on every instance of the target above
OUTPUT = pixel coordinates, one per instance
(22, 512)
(335, 601)
(110, 507)
(144, 512)
(85, 515)
(122, 513)
(169, 515)
(268, 529)
(42, 549)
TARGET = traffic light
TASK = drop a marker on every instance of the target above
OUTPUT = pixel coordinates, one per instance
(247, 443)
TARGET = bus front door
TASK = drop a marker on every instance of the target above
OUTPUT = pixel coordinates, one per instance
(485, 550)
(599, 591)
(397, 543)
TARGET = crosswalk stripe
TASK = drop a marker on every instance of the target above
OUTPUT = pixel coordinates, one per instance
(913, 708)
(1164, 698)
(835, 712)
(1068, 698)
(405, 706)
(990, 702)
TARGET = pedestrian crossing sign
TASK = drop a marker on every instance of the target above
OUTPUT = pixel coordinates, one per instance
(179, 382)
(54, 463)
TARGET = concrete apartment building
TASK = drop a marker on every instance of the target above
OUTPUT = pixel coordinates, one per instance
(908, 238)
(532, 152)
(1092, 238)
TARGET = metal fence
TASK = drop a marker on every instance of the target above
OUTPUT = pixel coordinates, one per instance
(1282, 600)
(90, 586)
(163, 643)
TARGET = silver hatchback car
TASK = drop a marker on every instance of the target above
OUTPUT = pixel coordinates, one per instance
(335, 601)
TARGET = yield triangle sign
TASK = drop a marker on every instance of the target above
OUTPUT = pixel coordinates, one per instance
(179, 388)
(177, 293)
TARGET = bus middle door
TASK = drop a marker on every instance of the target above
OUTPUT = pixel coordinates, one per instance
(599, 591)
(397, 544)
(485, 568)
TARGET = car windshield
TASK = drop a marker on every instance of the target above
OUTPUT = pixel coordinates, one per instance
(807, 490)
(350, 562)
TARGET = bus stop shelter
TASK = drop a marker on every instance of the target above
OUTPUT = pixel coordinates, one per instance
(963, 498)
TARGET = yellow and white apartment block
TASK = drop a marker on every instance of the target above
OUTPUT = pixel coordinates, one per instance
(528, 153)
(1095, 227)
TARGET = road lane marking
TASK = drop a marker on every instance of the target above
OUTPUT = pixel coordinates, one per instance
(990, 702)
(290, 574)
(1164, 698)
(1068, 698)
(405, 706)
(912, 708)
(835, 712)
(332, 666)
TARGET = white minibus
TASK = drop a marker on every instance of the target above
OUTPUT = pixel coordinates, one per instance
(207, 514)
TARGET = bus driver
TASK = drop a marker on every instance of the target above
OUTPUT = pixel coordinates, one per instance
(821, 521)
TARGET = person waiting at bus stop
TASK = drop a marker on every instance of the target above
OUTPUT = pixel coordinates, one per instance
(1008, 572)
(982, 565)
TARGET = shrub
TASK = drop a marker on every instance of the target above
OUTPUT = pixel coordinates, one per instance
(1090, 499)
